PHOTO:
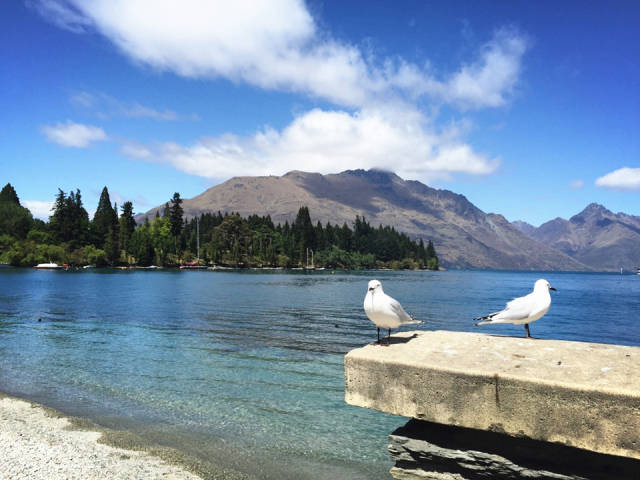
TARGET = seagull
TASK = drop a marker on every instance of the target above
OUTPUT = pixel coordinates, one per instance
(525, 309)
(384, 311)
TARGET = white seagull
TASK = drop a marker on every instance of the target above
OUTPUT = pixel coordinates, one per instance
(384, 311)
(525, 309)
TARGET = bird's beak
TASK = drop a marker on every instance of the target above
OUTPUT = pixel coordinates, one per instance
(551, 288)
(371, 289)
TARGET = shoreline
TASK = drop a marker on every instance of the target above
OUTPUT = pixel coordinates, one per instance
(38, 442)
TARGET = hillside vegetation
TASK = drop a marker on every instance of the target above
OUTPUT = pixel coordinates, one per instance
(168, 239)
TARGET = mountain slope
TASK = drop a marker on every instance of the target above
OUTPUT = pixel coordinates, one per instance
(464, 236)
(524, 227)
(596, 236)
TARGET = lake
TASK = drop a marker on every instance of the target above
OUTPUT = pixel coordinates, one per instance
(245, 369)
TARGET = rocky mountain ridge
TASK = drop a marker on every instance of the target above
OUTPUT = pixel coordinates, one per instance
(597, 237)
(464, 235)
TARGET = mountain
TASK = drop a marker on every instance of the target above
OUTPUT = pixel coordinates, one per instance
(524, 227)
(596, 237)
(464, 236)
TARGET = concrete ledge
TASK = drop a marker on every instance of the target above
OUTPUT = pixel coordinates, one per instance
(578, 394)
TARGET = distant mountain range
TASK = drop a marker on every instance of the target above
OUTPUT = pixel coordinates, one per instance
(597, 237)
(464, 236)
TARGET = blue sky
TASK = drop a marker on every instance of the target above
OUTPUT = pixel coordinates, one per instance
(530, 109)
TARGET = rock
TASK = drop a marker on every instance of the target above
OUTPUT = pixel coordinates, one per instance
(428, 451)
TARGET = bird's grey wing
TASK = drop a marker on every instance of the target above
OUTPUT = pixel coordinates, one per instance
(517, 309)
(399, 311)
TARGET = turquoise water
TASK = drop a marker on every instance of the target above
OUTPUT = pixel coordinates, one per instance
(245, 368)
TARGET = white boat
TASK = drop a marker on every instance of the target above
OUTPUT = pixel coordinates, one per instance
(48, 266)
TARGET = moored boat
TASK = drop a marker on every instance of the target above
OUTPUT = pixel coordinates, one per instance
(193, 266)
(48, 266)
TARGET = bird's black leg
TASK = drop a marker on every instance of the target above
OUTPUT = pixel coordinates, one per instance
(378, 335)
(526, 327)
(389, 337)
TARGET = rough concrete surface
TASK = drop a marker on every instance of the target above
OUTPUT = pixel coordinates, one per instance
(577, 394)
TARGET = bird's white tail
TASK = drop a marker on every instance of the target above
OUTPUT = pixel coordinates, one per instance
(413, 322)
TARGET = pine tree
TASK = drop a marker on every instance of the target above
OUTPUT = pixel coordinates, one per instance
(127, 225)
(104, 219)
(8, 194)
(15, 220)
(70, 221)
(431, 251)
(111, 247)
(175, 218)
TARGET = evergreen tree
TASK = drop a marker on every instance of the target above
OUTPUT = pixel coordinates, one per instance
(104, 219)
(303, 229)
(70, 221)
(431, 251)
(175, 217)
(111, 247)
(8, 194)
(15, 220)
(127, 225)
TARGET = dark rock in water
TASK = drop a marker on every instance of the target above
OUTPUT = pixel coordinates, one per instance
(428, 451)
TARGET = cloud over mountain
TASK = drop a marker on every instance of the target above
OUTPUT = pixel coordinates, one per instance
(385, 113)
(621, 179)
(328, 140)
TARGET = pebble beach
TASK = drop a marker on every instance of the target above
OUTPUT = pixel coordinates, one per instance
(36, 443)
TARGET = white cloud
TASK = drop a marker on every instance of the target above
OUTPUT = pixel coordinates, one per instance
(140, 111)
(63, 14)
(276, 44)
(105, 106)
(39, 209)
(72, 134)
(327, 142)
(622, 179)
(576, 184)
(489, 80)
(135, 150)
(83, 99)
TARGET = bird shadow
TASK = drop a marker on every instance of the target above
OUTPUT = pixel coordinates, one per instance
(395, 340)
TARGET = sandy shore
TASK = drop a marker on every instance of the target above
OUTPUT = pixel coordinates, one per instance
(36, 443)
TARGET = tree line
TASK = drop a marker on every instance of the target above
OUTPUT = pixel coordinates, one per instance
(113, 238)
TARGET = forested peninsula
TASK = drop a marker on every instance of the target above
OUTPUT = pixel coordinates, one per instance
(113, 238)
